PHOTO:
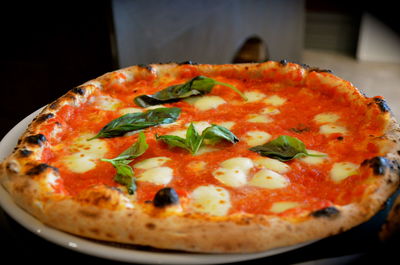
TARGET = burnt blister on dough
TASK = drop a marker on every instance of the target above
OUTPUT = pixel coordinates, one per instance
(378, 164)
(78, 90)
(45, 117)
(40, 169)
(37, 139)
(326, 212)
(383, 106)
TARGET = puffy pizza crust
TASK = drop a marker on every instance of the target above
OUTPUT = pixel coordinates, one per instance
(107, 214)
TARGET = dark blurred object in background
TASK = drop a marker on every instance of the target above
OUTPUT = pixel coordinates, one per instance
(47, 49)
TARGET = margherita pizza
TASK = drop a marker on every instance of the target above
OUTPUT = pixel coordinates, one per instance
(207, 158)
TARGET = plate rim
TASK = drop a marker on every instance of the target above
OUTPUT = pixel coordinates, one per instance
(104, 250)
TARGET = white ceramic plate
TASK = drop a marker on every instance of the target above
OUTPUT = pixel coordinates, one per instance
(104, 250)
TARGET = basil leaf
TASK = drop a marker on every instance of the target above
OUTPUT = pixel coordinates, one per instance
(137, 149)
(215, 133)
(194, 141)
(128, 181)
(283, 148)
(137, 121)
(173, 140)
(198, 85)
(125, 174)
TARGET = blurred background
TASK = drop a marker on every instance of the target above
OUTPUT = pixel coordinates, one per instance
(49, 48)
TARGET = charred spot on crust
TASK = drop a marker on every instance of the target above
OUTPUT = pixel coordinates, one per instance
(40, 169)
(326, 212)
(382, 104)
(151, 226)
(283, 62)
(165, 197)
(319, 70)
(188, 62)
(25, 152)
(378, 164)
(37, 139)
(147, 67)
(78, 90)
(45, 117)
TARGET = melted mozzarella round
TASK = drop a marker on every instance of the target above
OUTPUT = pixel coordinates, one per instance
(107, 103)
(343, 170)
(233, 177)
(269, 179)
(157, 175)
(272, 164)
(253, 96)
(85, 154)
(332, 128)
(151, 162)
(314, 160)
(242, 163)
(254, 138)
(280, 207)
(211, 200)
(206, 102)
(275, 100)
(326, 117)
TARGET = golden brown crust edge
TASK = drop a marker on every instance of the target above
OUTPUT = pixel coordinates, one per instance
(106, 214)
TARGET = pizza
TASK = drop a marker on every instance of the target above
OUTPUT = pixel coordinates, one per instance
(207, 158)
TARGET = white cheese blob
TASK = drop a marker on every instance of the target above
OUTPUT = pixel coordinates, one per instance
(280, 207)
(129, 110)
(211, 200)
(314, 160)
(154, 107)
(227, 124)
(157, 175)
(107, 103)
(180, 133)
(272, 164)
(326, 117)
(332, 128)
(205, 149)
(253, 138)
(199, 126)
(233, 177)
(207, 102)
(253, 96)
(270, 111)
(242, 163)
(275, 100)
(151, 162)
(197, 165)
(85, 154)
(269, 179)
(259, 118)
(343, 170)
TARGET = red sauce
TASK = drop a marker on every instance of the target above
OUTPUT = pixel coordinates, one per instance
(310, 185)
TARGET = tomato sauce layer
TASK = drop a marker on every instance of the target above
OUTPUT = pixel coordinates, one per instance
(273, 108)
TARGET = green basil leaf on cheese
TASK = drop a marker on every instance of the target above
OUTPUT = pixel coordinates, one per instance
(173, 140)
(215, 133)
(197, 86)
(283, 148)
(194, 141)
(125, 174)
(138, 121)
